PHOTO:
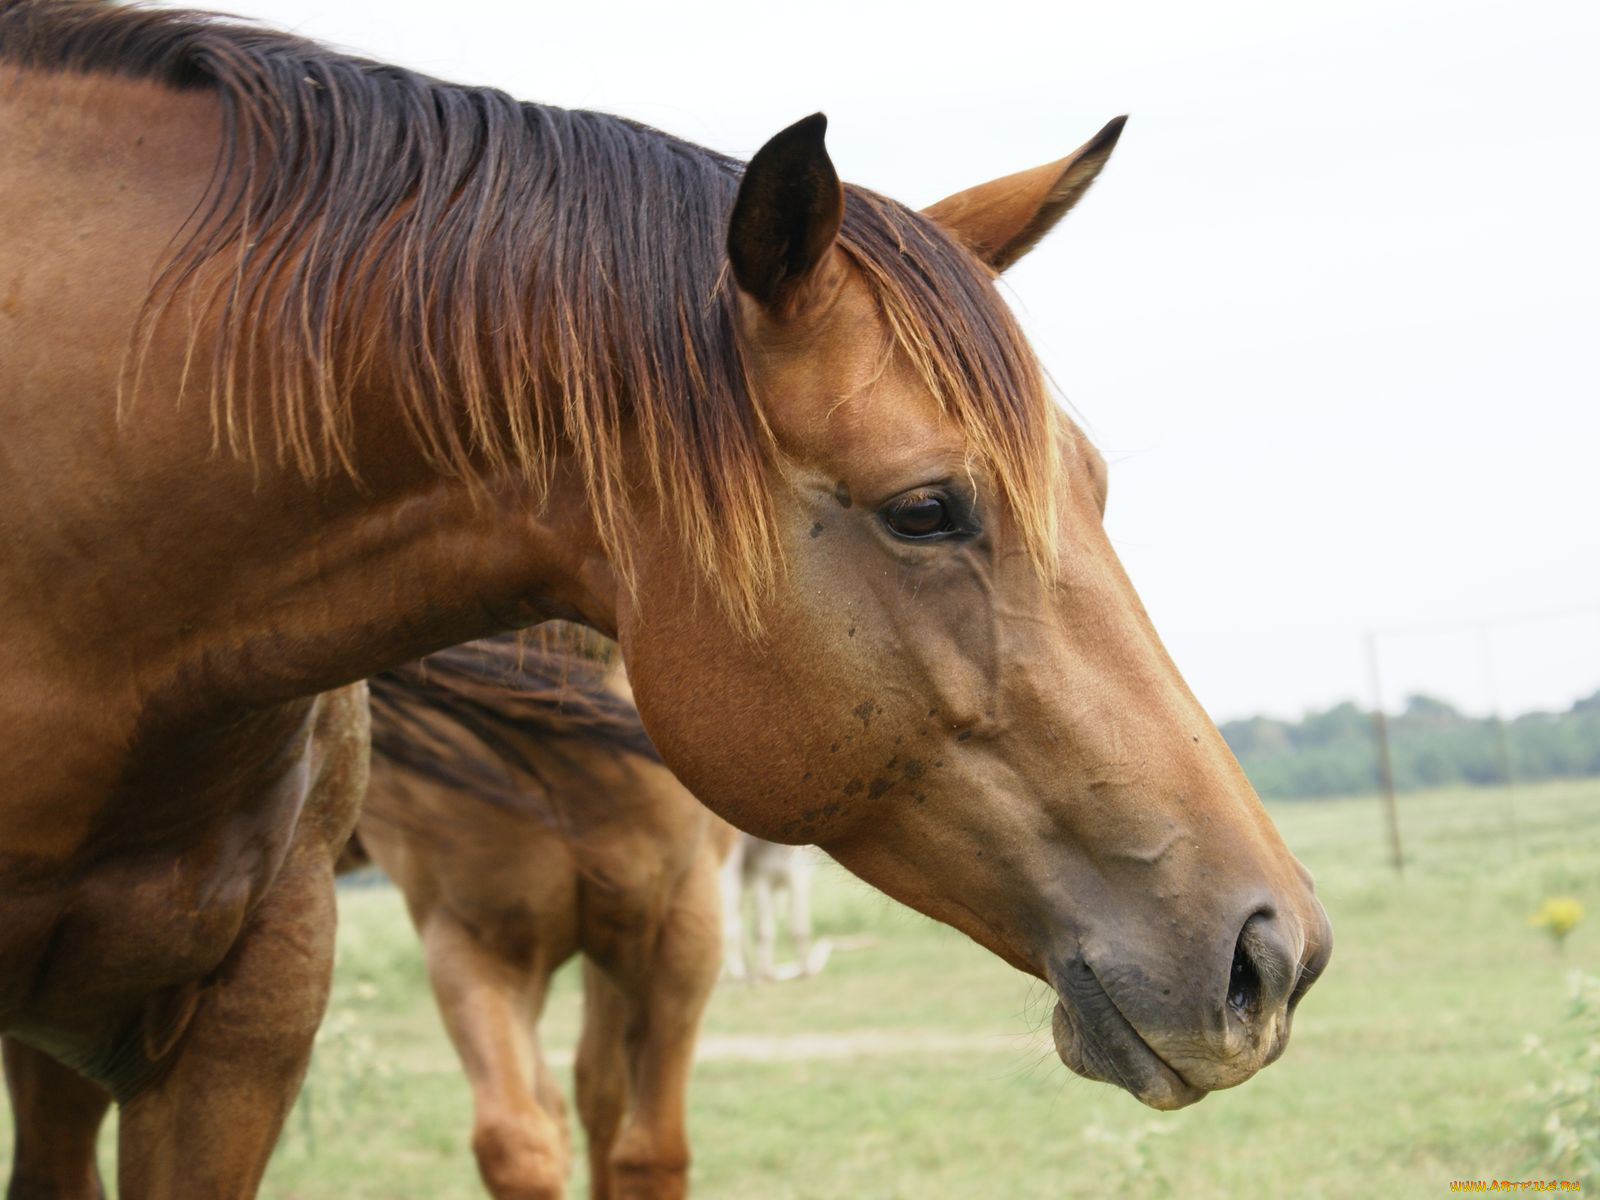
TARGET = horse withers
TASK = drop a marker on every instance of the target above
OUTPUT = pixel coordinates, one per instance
(311, 366)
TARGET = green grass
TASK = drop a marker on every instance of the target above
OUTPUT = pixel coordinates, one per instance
(1406, 1070)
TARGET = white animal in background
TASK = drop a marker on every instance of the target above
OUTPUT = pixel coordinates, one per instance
(759, 869)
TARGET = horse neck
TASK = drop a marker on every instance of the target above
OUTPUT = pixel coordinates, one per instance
(363, 575)
(222, 577)
(231, 582)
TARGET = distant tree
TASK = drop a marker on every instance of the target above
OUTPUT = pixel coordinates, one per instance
(1423, 709)
(1332, 752)
(1344, 723)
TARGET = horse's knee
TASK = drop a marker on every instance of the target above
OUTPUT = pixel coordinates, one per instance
(33, 1183)
(649, 1168)
(516, 1163)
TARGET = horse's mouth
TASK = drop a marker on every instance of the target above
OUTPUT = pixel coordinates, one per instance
(1095, 1040)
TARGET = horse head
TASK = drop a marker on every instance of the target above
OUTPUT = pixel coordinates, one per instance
(954, 688)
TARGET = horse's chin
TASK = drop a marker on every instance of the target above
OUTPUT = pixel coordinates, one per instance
(1098, 1043)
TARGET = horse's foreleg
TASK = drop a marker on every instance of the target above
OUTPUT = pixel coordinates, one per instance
(800, 913)
(766, 926)
(650, 1160)
(208, 1125)
(601, 1070)
(731, 880)
(489, 1007)
(56, 1115)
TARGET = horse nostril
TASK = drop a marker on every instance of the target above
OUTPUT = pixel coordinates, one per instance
(1244, 981)
(1263, 970)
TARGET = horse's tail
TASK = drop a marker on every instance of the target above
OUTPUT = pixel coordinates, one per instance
(487, 718)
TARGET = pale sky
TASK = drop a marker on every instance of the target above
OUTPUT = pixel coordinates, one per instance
(1331, 312)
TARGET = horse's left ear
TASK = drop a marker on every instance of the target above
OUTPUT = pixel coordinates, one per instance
(788, 212)
(1001, 220)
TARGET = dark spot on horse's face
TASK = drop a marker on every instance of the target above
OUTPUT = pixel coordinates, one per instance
(878, 787)
(851, 632)
(816, 529)
(833, 749)
(913, 768)
(841, 493)
(851, 788)
(889, 766)
(805, 777)
(963, 735)
(864, 711)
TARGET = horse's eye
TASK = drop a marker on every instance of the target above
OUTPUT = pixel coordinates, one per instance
(918, 516)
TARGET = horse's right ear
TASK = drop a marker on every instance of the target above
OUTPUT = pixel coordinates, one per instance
(787, 214)
(1000, 221)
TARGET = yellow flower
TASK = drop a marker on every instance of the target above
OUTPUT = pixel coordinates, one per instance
(1558, 914)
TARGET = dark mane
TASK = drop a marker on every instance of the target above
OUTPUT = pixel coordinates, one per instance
(526, 281)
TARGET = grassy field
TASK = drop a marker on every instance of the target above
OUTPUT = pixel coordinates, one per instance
(918, 1067)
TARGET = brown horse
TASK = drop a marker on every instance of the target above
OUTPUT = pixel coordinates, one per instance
(519, 806)
(311, 366)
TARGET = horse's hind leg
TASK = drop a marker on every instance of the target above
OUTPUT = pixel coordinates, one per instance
(547, 1089)
(666, 996)
(489, 1007)
(208, 1125)
(57, 1114)
(602, 1073)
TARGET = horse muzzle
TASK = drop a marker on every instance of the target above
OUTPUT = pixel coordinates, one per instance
(1169, 1045)
(1096, 1041)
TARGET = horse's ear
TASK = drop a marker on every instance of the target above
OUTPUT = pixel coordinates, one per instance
(1001, 220)
(788, 212)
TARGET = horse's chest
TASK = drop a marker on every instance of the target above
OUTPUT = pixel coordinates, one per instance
(130, 925)
(132, 928)
(153, 893)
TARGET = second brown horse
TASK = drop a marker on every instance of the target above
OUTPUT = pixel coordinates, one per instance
(517, 803)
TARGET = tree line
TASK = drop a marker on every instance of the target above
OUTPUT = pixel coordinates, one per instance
(1432, 743)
